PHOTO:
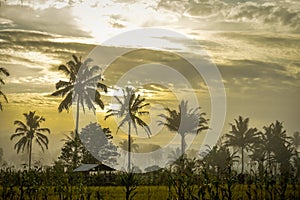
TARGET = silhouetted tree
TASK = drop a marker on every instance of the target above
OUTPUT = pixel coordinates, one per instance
(98, 144)
(273, 139)
(219, 159)
(130, 108)
(72, 151)
(81, 87)
(184, 121)
(241, 136)
(28, 131)
(282, 147)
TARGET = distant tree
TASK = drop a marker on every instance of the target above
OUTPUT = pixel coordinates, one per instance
(88, 147)
(29, 131)
(282, 147)
(184, 121)
(273, 140)
(241, 136)
(130, 110)
(4, 72)
(72, 151)
(259, 155)
(219, 160)
(98, 143)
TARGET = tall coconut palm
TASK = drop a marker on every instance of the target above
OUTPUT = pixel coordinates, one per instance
(81, 87)
(241, 136)
(5, 73)
(130, 109)
(28, 131)
(184, 121)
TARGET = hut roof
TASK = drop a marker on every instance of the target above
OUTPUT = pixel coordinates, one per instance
(93, 167)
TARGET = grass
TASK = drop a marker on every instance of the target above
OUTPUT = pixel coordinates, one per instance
(117, 192)
(105, 192)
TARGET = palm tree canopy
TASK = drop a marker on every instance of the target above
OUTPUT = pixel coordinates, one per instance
(29, 130)
(130, 109)
(184, 120)
(82, 86)
(5, 73)
(274, 136)
(241, 135)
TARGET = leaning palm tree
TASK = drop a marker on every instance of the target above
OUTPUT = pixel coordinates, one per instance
(184, 121)
(130, 108)
(241, 136)
(81, 87)
(5, 73)
(29, 131)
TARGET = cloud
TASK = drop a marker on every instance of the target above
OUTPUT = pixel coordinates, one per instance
(32, 58)
(53, 20)
(272, 15)
(281, 16)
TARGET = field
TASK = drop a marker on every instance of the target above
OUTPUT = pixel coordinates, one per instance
(142, 192)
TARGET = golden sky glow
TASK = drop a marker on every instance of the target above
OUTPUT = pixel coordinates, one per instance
(255, 45)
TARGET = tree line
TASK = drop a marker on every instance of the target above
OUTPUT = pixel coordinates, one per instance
(273, 155)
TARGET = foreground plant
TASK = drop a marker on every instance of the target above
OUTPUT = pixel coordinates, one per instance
(130, 181)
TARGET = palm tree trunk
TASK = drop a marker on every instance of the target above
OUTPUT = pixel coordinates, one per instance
(242, 160)
(30, 152)
(77, 116)
(182, 144)
(75, 157)
(129, 146)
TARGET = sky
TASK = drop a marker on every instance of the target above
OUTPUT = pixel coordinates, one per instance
(255, 45)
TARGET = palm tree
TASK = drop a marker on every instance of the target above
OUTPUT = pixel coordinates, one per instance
(281, 146)
(259, 155)
(82, 86)
(241, 136)
(219, 159)
(130, 108)
(184, 121)
(5, 73)
(28, 131)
